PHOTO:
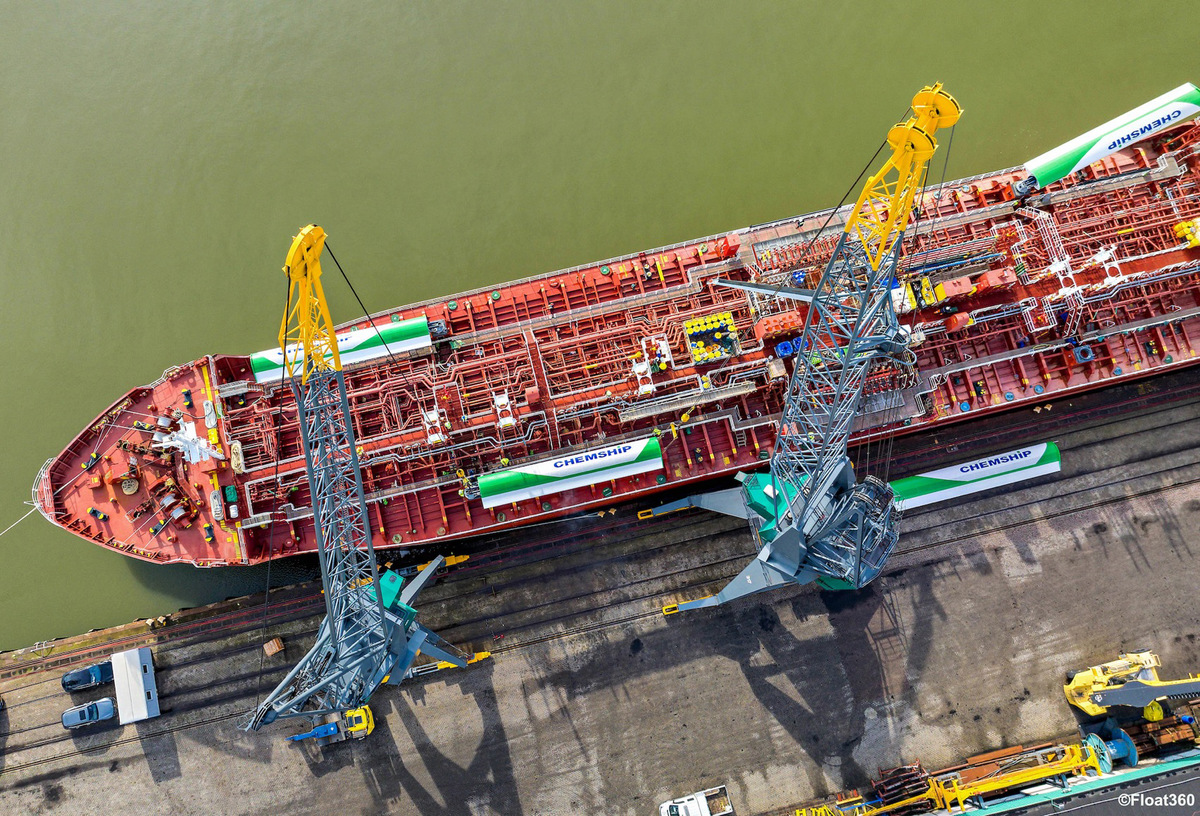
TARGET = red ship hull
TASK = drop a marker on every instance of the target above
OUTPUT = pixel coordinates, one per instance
(1015, 303)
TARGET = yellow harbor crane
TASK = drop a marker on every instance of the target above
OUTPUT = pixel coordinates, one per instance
(370, 634)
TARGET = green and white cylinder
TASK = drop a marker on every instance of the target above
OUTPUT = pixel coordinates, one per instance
(1140, 123)
(977, 475)
(581, 469)
(353, 347)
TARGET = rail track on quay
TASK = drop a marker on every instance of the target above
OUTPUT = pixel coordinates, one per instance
(262, 679)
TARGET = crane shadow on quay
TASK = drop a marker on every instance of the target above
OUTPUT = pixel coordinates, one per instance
(817, 688)
(161, 750)
(389, 768)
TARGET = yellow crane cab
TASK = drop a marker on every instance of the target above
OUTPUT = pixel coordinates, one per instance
(359, 722)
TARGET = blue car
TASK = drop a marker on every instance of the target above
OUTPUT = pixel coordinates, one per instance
(88, 676)
(89, 713)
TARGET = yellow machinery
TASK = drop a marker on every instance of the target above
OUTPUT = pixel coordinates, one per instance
(1064, 760)
(949, 792)
(352, 724)
(1130, 680)
(711, 338)
(306, 333)
(881, 214)
(1189, 232)
(360, 722)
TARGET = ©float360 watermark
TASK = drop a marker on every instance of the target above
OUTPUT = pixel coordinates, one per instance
(1142, 801)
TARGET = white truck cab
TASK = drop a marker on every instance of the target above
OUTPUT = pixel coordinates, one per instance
(711, 802)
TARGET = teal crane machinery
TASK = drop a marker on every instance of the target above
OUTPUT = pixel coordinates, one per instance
(370, 633)
(813, 520)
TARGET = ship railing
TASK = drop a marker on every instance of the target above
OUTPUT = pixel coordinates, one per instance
(1074, 304)
(682, 402)
(946, 252)
(1167, 168)
(1018, 248)
(601, 309)
(296, 513)
(741, 377)
(1047, 228)
(40, 486)
(928, 256)
(730, 415)
(766, 304)
(1138, 325)
(632, 256)
(392, 454)
(167, 374)
(483, 290)
(1167, 273)
(1028, 307)
(997, 312)
(820, 214)
(931, 379)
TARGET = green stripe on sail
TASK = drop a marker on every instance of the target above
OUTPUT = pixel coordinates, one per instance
(410, 329)
(1165, 111)
(520, 478)
(259, 363)
(258, 368)
(361, 341)
(912, 487)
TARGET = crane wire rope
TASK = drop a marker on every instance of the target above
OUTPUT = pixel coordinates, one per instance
(284, 377)
(32, 510)
(266, 605)
(366, 314)
(917, 221)
(803, 250)
(853, 186)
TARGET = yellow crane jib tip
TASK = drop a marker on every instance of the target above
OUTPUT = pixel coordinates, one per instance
(306, 333)
(881, 213)
(934, 109)
(308, 243)
(938, 108)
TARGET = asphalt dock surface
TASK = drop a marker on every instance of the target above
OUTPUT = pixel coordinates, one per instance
(595, 703)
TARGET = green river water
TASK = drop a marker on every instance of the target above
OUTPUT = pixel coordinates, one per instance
(156, 158)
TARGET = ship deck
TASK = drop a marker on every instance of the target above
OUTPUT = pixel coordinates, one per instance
(1024, 301)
